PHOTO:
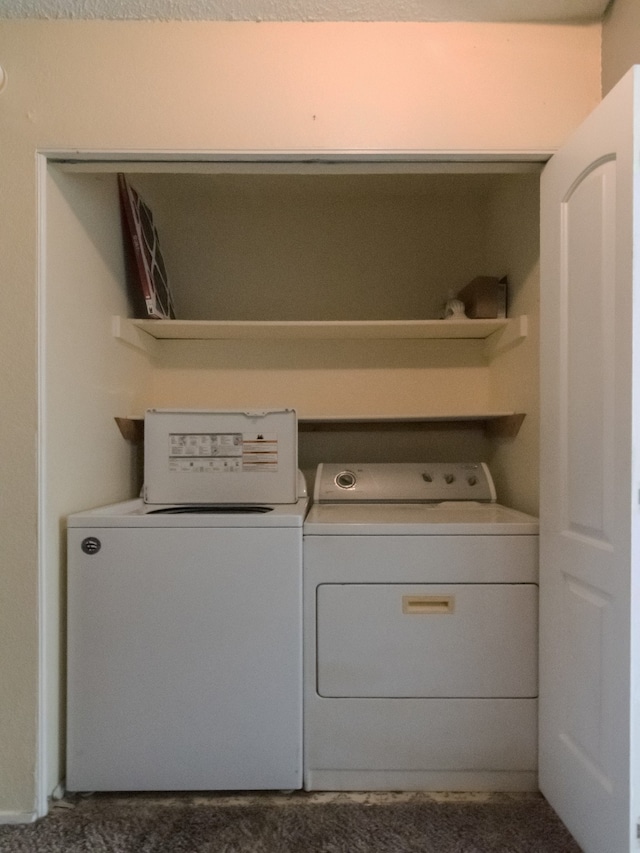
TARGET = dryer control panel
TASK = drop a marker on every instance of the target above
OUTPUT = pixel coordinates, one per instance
(403, 482)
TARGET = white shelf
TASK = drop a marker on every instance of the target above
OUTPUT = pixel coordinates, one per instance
(195, 330)
(310, 329)
(504, 424)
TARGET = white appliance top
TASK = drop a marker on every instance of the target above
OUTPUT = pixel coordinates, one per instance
(464, 518)
(136, 513)
(411, 499)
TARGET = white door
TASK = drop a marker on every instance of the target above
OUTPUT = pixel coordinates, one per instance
(590, 476)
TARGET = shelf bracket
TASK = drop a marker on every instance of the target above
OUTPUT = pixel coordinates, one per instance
(504, 339)
(131, 429)
(507, 426)
(125, 331)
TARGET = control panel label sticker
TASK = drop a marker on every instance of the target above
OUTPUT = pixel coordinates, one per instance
(222, 453)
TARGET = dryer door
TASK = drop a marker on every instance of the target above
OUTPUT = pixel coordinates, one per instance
(427, 640)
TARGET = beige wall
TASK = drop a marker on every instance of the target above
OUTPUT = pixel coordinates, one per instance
(197, 88)
(89, 378)
(620, 41)
(514, 224)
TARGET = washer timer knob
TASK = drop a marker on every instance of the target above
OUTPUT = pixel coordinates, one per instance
(91, 545)
(345, 480)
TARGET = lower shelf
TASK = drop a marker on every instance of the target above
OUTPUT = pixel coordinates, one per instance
(498, 424)
(505, 424)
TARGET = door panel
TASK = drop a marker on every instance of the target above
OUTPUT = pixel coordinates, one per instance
(587, 614)
(589, 482)
(588, 242)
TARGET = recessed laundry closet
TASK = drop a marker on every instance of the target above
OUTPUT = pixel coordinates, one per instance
(320, 287)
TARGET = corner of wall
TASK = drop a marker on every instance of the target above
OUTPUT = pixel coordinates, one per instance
(620, 41)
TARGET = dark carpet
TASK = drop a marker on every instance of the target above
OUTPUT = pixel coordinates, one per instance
(182, 824)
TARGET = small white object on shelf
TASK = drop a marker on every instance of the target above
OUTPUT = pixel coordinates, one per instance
(454, 310)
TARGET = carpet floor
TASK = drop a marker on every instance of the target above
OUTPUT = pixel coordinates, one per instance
(297, 823)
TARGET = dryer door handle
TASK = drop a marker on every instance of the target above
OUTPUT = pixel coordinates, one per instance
(424, 605)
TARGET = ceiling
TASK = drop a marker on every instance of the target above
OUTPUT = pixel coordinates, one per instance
(309, 10)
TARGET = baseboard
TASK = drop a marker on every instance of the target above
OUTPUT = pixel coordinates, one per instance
(17, 817)
(496, 781)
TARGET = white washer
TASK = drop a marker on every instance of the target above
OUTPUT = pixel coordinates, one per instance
(420, 632)
(185, 648)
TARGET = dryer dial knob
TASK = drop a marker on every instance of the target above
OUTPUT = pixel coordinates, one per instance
(345, 480)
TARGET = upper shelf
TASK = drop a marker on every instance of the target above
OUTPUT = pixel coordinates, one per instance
(140, 332)
(307, 329)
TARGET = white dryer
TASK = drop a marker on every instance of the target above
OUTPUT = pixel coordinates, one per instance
(420, 627)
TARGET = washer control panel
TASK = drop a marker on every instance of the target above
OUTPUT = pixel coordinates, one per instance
(404, 482)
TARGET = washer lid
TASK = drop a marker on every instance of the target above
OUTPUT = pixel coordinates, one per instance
(403, 482)
(135, 513)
